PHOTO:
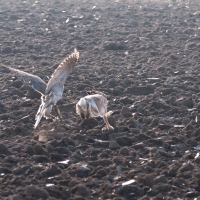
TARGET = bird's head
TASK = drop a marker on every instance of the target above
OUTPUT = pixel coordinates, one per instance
(47, 99)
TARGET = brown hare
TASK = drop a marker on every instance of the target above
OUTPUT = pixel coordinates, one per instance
(94, 105)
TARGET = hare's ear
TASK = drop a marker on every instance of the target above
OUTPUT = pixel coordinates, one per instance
(89, 92)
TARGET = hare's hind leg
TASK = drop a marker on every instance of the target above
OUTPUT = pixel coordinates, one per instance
(109, 127)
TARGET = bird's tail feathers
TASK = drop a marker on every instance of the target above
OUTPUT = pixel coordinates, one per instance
(39, 117)
(39, 111)
(39, 114)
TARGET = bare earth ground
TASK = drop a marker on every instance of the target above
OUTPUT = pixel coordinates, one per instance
(146, 56)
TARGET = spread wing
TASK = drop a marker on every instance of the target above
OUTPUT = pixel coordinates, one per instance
(34, 81)
(62, 72)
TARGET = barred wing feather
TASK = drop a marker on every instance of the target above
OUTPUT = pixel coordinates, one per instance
(60, 75)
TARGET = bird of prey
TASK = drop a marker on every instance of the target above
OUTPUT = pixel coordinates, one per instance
(55, 86)
(51, 92)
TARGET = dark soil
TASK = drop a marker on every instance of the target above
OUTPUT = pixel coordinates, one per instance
(145, 55)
